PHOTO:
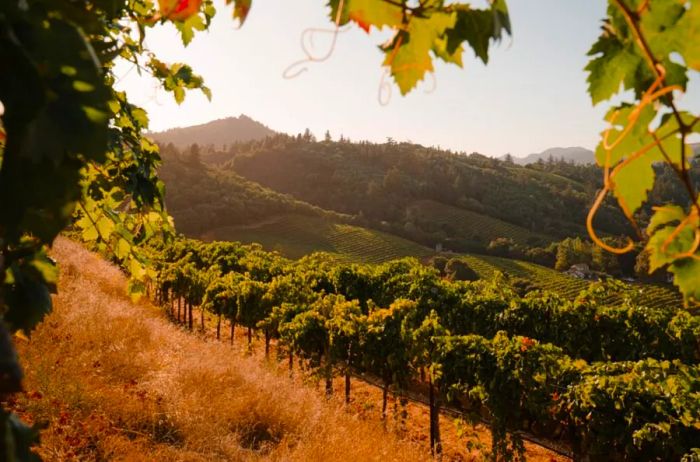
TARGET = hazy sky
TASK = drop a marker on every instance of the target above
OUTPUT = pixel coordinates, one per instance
(530, 97)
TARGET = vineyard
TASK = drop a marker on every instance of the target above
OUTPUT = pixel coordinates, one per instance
(558, 369)
(563, 284)
(609, 370)
(471, 224)
(295, 236)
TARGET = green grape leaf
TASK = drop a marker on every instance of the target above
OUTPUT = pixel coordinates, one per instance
(476, 27)
(408, 55)
(52, 123)
(665, 215)
(670, 148)
(686, 276)
(179, 94)
(501, 18)
(658, 25)
(633, 183)
(28, 299)
(122, 249)
(441, 51)
(188, 27)
(676, 74)
(607, 72)
(688, 30)
(367, 13)
(45, 270)
(666, 244)
(635, 140)
(177, 78)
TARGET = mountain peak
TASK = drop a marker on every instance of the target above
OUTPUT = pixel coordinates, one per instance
(575, 154)
(217, 132)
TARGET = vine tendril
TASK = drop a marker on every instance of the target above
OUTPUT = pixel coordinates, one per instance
(650, 95)
(298, 67)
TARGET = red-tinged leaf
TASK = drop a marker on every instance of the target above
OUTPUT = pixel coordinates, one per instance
(178, 10)
(241, 8)
(360, 22)
(367, 13)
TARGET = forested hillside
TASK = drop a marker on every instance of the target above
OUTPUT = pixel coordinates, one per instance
(211, 201)
(381, 181)
(201, 198)
(463, 202)
(260, 191)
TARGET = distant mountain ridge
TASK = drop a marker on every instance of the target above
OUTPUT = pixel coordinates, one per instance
(217, 132)
(577, 155)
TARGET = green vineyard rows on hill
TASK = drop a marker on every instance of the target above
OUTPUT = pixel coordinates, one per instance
(563, 284)
(472, 224)
(295, 236)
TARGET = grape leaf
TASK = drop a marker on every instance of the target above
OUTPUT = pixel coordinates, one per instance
(658, 25)
(188, 27)
(633, 182)
(474, 26)
(241, 8)
(686, 277)
(668, 133)
(607, 72)
(664, 246)
(408, 55)
(28, 298)
(665, 215)
(441, 51)
(367, 13)
(178, 10)
(687, 31)
(635, 140)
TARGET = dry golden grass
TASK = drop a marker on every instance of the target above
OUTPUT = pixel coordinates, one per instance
(116, 381)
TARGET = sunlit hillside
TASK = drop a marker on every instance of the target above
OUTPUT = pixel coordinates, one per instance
(296, 235)
(116, 381)
(383, 261)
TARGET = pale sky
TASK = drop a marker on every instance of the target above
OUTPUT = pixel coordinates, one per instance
(530, 97)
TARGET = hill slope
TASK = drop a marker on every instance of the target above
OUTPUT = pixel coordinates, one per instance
(118, 381)
(567, 286)
(380, 181)
(218, 133)
(201, 198)
(294, 236)
(471, 225)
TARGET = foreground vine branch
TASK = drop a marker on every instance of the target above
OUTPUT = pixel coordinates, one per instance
(651, 131)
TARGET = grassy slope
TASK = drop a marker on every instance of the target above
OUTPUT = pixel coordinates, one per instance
(117, 381)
